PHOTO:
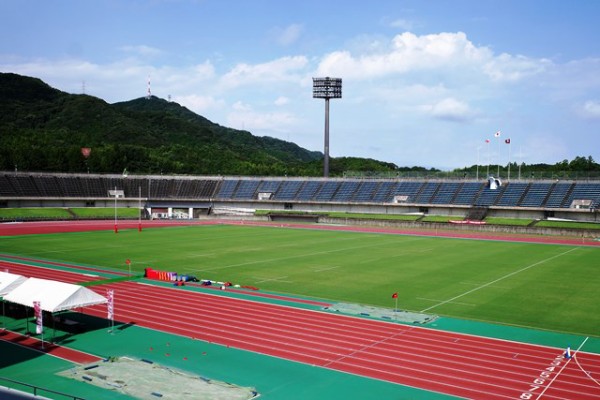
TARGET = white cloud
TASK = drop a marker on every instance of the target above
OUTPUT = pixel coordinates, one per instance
(281, 69)
(142, 50)
(591, 109)
(281, 101)
(506, 67)
(448, 53)
(243, 116)
(407, 52)
(289, 34)
(408, 86)
(449, 109)
(403, 24)
(200, 104)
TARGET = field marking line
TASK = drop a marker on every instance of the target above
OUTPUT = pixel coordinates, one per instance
(499, 279)
(292, 257)
(454, 302)
(561, 370)
(583, 370)
(276, 279)
(326, 268)
(368, 346)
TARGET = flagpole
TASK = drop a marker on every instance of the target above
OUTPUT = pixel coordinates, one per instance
(140, 208)
(116, 228)
(488, 158)
(477, 173)
(395, 297)
(498, 156)
(509, 143)
(520, 161)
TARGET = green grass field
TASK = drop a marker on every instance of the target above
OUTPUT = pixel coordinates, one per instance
(551, 287)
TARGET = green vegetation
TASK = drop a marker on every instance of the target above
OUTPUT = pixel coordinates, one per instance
(66, 213)
(34, 213)
(568, 224)
(508, 221)
(99, 212)
(439, 218)
(44, 129)
(391, 217)
(551, 287)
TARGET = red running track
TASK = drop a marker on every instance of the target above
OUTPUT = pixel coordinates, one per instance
(456, 364)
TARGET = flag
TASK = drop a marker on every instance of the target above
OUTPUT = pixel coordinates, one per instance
(395, 295)
(507, 141)
(128, 261)
(39, 323)
(110, 303)
(487, 140)
(497, 134)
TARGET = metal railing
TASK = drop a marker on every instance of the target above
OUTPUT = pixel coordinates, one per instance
(36, 390)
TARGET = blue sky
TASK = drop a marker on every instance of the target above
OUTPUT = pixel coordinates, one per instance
(424, 82)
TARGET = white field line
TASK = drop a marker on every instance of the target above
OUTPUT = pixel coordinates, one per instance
(499, 279)
(562, 369)
(341, 250)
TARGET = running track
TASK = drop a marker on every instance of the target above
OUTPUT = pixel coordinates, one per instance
(455, 364)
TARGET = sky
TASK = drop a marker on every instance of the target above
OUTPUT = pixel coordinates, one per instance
(437, 83)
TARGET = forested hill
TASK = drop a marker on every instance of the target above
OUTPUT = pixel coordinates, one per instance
(44, 129)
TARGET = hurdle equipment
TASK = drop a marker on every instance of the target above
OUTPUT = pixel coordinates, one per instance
(568, 354)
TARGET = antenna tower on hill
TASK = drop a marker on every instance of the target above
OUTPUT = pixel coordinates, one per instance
(149, 92)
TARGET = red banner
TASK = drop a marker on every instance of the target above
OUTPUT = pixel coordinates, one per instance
(39, 323)
(110, 304)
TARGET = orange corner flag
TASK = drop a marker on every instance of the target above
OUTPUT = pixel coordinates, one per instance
(395, 295)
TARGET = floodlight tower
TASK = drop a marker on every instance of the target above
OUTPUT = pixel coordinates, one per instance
(327, 88)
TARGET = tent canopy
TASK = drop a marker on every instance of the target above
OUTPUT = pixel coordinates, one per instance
(9, 282)
(53, 296)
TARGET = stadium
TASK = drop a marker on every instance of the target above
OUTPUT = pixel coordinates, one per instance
(220, 287)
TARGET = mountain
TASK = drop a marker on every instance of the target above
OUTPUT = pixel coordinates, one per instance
(45, 129)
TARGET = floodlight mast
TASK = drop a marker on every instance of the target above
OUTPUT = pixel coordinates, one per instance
(327, 88)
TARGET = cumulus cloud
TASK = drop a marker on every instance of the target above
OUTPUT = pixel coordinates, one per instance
(142, 50)
(506, 67)
(289, 34)
(200, 104)
(281, 101)
(591, 109)
(445, 52)
(243, 116)
(407, 52)
(403, 24)
(282, 69)
(449, 109)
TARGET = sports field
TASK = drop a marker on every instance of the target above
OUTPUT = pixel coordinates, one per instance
(543, 286)
(536, 298)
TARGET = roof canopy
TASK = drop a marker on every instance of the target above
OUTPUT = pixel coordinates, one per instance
(8, 282)
(53, 296)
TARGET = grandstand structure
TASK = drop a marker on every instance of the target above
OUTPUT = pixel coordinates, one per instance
(193, 196)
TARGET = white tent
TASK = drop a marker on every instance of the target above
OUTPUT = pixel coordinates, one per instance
(53, 296)
(9, 282)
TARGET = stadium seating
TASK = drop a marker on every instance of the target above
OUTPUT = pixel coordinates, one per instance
(550, 195)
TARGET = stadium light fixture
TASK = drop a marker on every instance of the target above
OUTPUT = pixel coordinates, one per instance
(327, 88)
